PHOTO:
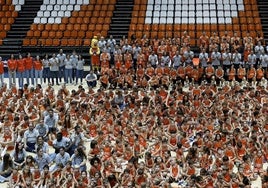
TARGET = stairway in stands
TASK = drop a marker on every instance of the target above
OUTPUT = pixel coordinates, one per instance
(121, 19)
(263, 11)
(13, 41)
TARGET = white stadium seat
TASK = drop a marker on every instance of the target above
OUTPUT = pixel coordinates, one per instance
(163, 14)
(149, 13)
(177, 13)
(57, 7)
(43, 20)
(191, 7)
(36, 20)
(233, 8)
(227, 13)
(70, 7)
(212, 7)
(199, 20)
(156, 20)
(63, 7)
(43, 7)
(156, 14)
(184, 13)
(191, 14)
(206, 20)
(234, 14)
(79, 2)
(157, 7)
(77, 7)
(148, 20)
(17, 7)
(57, 20)
(40, 13)
(54, 13)
(177, 20)
(184, 20)
(67, 13)
(49, 7)
(170, 13)
(177, 7)
(163, 20)
(169, 20)
(164, 2)
(150, 7)
(171, 2)
(46, 14)
(150, 2)
(164, 7)
(60, 13)
(221, 20)
(213, 20)
(51, 20)
(228, 20)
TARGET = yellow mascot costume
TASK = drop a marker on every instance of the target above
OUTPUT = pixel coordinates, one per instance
(94, 52)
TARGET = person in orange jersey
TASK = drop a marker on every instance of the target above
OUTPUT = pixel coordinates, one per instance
(12, 67)
(21, 70)
(251, 73)
(1, 72)
(38, 70)
(29, 71)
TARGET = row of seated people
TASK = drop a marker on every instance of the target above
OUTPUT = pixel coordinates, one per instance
(195, 137)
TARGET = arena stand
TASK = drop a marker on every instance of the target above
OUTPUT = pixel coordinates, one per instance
(46, 26)
(52, 24)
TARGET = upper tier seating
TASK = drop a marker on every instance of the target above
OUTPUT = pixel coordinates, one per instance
(169, 18)
(70, 22)
(8, 13)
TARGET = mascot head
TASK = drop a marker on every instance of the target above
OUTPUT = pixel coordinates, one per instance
(94, 42)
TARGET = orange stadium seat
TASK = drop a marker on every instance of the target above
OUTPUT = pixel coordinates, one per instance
(40, 27)
(105, 27)
(67, 33)
(51, 34)
(139, 27)
(77, 27)
(81, 34)
(88, 14)
(30, 33)
(44, 34)
(70, 27)
(64, 42)
(79, 20)
(87, 42)
(37, 34)
(55, 42)
(58, 34)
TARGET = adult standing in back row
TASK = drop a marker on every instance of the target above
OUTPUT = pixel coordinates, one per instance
(12, 66)
(61, 58)
(29, 71)
(80, 69)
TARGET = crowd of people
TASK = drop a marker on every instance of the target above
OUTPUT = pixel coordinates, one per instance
(55, 69)
(151, 116)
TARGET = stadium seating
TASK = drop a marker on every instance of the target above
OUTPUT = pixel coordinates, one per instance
(8, 13)
(68, 22)
(196, 16)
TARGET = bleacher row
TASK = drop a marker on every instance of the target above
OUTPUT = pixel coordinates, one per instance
(75, 22)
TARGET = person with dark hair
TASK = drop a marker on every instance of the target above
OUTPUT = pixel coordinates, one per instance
(79, 158)
(12, 67)
(61, 141)
(42, 159)
(19, 155)
(6, 167)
